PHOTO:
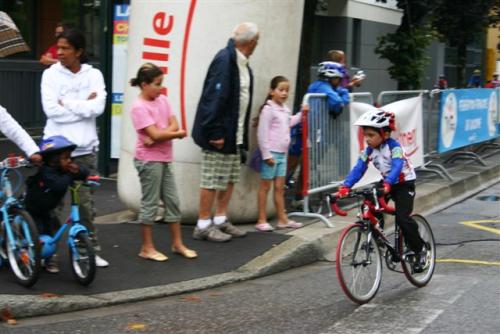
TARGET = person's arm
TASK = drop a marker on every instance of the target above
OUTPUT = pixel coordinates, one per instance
(55, 180)
(263, 130)
(217, 85)
(335, 104)
(12, 130)
(397, 163)
(344, 95)
(297, 118)
(171, 132)
(50, 101)
(78, 171)
(95, 103)
(358, 170)
(47, 60)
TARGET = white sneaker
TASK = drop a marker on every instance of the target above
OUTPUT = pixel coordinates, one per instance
(100, 262)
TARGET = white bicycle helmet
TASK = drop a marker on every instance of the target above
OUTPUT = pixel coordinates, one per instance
(377, 118)
(330, 70)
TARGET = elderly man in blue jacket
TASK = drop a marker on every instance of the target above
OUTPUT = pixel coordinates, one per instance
(220, 129)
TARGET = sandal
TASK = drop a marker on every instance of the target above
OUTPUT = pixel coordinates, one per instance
(187, 253)
(159, 257)
(264, 227)
(289, 224)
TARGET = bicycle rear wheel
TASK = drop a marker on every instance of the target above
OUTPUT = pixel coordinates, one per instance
(23, 251)
(82, 258)
(420, 279)
(359, 265)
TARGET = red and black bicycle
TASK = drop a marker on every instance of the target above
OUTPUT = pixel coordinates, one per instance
(362, 245)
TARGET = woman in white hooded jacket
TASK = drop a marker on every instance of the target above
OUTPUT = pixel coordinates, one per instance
(73, 96)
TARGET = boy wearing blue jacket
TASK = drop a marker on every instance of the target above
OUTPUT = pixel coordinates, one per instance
(330, 78)
(46, 189)
(398, 174)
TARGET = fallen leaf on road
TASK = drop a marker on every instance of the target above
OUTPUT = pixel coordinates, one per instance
(137, 326)
(214, 294)
(7, 316)
(47, 295)
(191, 299)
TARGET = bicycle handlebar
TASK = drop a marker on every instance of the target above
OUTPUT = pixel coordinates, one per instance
(14, 162)
(338, 210)
(385, 206)
(93, 180)
(378, 195)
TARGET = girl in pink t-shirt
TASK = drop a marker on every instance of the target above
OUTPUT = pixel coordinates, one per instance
(156, 127)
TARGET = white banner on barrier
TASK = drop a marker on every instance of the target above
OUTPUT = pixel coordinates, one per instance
(409, 132)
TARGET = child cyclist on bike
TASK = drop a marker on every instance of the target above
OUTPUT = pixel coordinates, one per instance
(389, 158)
(46, 189)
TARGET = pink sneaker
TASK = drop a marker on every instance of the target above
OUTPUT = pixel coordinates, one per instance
(265, 227)
(289, 224)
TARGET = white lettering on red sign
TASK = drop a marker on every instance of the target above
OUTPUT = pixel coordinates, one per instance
(162, 26)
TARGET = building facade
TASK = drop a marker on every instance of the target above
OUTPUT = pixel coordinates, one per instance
(349, 25)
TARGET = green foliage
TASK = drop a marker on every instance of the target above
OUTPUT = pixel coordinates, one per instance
(406, 48)
(407, 52)
(458, 23)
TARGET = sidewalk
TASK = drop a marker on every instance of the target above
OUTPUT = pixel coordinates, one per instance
(130, 278)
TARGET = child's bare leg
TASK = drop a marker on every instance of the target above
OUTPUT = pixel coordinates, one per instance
(265, 185)
(177, 244)
(279, 200)
(148, 246)
(176, 235)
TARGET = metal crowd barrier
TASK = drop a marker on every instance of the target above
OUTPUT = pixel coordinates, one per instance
(325, 150)
(364, 97)
(430, 120)
(390, 96)
(326, 144)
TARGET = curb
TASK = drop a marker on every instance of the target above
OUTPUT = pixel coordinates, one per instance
(309, 244)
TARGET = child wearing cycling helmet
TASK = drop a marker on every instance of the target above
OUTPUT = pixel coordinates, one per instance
(388, 156)
(46, 189)
(330, 79)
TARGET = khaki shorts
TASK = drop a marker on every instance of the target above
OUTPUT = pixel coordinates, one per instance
(219, 169)
(157, 182)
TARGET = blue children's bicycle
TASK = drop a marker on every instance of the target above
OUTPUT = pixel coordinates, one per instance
(81, 251)
(19, 244)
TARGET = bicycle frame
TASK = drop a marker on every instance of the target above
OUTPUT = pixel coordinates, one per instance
(373, 204)
(361, 247)
(73, 220)
(10, 201)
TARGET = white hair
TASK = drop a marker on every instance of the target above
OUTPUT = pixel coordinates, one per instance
(245, 32)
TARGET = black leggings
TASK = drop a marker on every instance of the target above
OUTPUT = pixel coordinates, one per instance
(403, 194)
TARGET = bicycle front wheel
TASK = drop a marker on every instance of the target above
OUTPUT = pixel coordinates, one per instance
(359, 265)
(23, 250)
(82, 258)
(421, 277)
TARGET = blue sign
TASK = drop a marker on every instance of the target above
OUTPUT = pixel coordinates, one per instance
(467, 116)
(121, 12)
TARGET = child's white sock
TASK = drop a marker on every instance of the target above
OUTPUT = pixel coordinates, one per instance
(218, 220)
(203, 223)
